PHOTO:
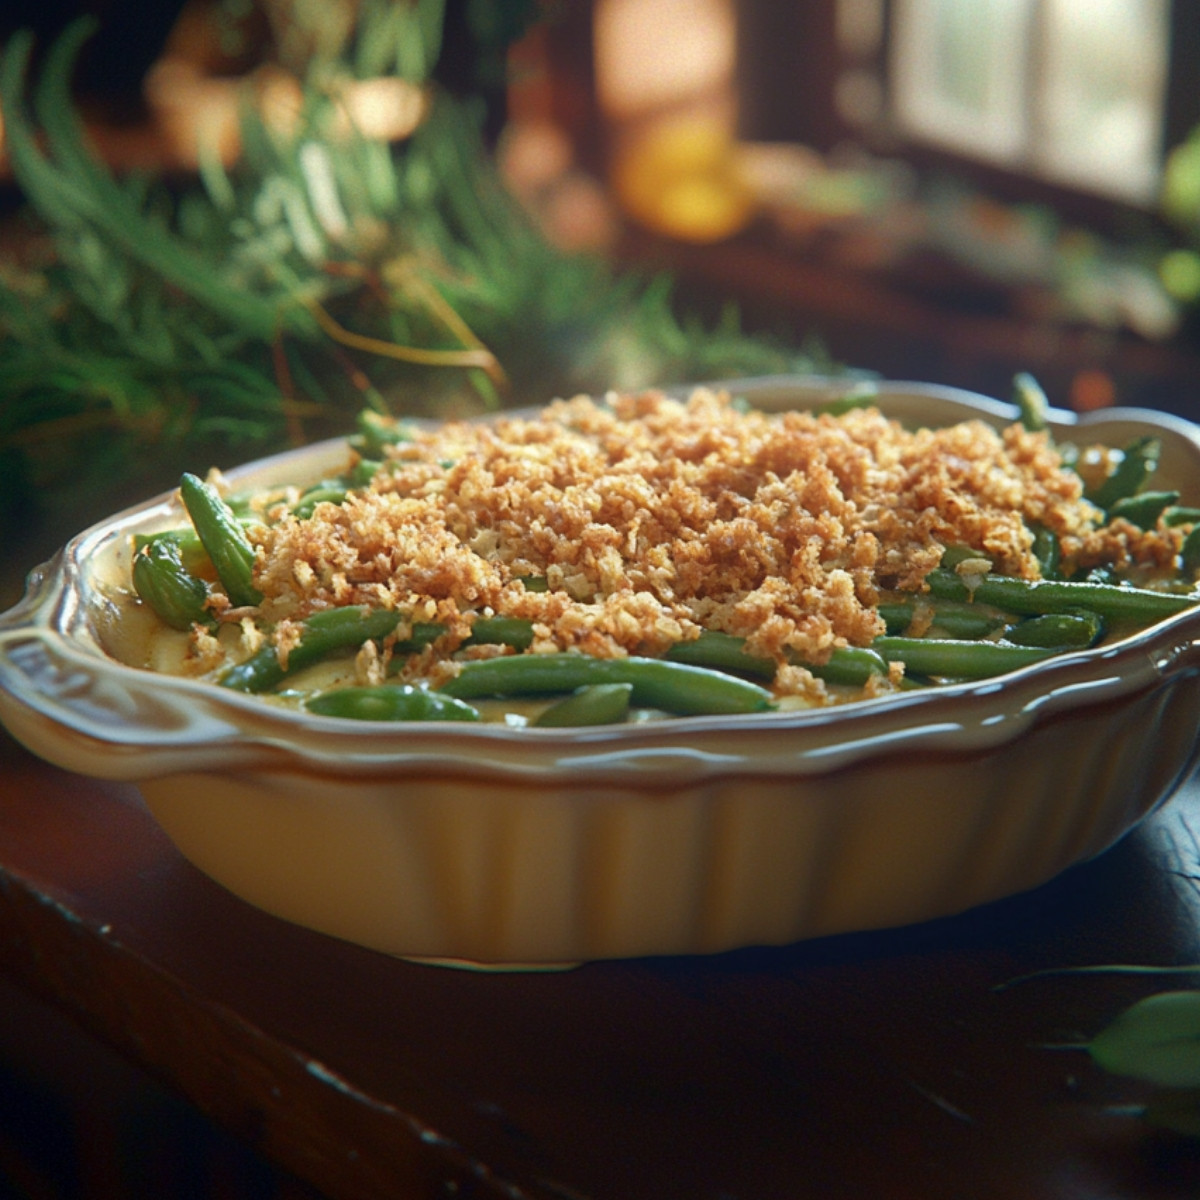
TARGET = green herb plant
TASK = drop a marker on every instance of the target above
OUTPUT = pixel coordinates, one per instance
(149, 324)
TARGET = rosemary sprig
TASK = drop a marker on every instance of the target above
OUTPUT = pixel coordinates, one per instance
(69, 187)
(173, 328)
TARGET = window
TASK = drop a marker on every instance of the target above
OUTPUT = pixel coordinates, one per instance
(1074, 102)
(1072, 93)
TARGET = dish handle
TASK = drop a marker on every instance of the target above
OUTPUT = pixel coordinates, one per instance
(74, 707)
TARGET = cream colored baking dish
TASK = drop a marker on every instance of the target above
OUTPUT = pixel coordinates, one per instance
(498, 845)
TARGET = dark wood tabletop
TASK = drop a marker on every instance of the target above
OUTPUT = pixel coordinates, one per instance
(886, 1065)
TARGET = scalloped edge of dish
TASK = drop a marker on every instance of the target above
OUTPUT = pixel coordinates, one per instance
(48, 648)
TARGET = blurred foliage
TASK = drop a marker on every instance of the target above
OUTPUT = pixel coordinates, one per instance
(149, 327)
(1180, 267)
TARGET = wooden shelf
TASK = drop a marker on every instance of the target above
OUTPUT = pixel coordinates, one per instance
(868, 321)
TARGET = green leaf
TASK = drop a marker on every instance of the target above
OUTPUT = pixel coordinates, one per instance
(1156, 1040)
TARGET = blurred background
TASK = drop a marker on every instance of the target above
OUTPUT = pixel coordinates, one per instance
(230, 225)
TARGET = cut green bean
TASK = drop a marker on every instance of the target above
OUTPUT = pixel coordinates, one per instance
(1138, 463)
(673, 687)
(1047, 551)
(322, 634)
(597, 704)
(191, 550)
(363, 472)
(501, 631)
(1189, 553)
(848, 665)
(377, 432)
(1065, 630)
(851, 666)
(335, 490)
(1032, 597)
(1031, 401)
(327, 493)
(224, 539)
(1144, 509)
(721, 652)
(953, 659)
(956, 619)
(487, 631)
(422, 634)
(159, 577)
(335, 629)
(390, 702)
(1181, 514)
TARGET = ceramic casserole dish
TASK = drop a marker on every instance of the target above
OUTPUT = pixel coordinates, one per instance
(518, 846)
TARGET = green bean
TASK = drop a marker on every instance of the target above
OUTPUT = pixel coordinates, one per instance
(376, 433)
(1181, 514)
(1031, 400)
(390, 702)
(1139, 462)
(898, 615)
(162, 581)
(191, 550)
(1047, 551)
(335, 490)
(596, 704)
(501, 631)
(363, 472)
(326, 493)
(1144, 509)
(721, 652)
(1031, 597)
(487, 631)
(423, 633)
(957, 619)
(322, 634)
(849, 665)
(1189, 552)
(673, 687)
(955, 659)
(340, 628)
(1065, 630)
(224, 539)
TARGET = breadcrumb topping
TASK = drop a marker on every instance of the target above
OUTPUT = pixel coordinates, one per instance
(624, 526)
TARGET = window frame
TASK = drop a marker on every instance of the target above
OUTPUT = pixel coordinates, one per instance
(781, 44)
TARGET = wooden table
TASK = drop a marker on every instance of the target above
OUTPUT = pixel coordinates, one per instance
(882, 1065)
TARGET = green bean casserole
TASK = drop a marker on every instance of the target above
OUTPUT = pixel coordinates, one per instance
(641, 556)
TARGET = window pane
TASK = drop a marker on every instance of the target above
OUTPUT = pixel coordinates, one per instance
(1104, 74)
(960, 74)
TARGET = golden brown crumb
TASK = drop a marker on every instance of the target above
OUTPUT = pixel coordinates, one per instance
(204, 652)
(650, 519)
